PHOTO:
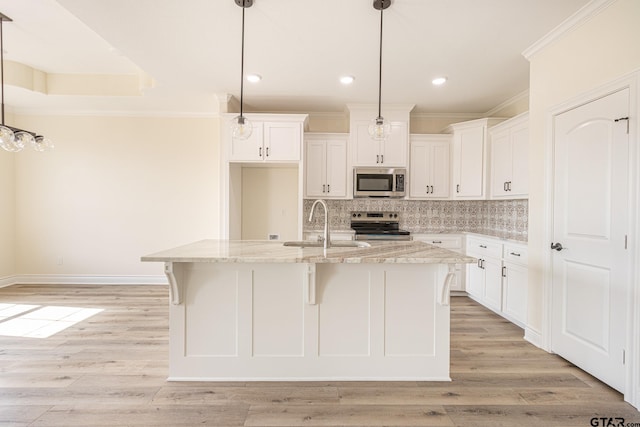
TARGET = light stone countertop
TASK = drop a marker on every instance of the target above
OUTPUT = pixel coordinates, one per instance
(262, 251)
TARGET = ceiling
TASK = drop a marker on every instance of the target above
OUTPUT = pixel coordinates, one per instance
(191, 48)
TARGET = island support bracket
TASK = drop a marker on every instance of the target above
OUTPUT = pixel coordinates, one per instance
(174, 287)
(310, 282)
(445, 296)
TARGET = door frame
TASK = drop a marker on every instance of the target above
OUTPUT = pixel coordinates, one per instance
(632, 82)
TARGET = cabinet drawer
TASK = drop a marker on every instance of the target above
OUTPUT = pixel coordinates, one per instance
(481, 247)
(515, 253)
(446, 242)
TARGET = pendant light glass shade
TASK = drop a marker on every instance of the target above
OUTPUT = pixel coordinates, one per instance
(379, 128)
(7, 139)
(42, 143)
(241, 128)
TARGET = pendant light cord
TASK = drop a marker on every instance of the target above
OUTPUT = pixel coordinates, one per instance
(380, 70)
(242, 64)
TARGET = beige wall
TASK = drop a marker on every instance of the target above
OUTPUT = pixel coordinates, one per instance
(114, 189)
(270, 202)
(599, 51)
(7, 214)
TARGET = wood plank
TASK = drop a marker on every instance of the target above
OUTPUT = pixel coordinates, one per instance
(111, 370)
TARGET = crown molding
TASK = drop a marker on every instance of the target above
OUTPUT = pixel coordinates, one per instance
(507, 103)
(588, 11)
(113, 113)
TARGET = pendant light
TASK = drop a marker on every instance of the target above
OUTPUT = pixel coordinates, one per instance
(379, 128)
(14, 139)
(241, 127)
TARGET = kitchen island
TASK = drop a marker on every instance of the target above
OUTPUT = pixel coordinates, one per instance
(258, 310)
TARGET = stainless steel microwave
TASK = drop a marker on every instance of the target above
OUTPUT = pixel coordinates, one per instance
(379, 182)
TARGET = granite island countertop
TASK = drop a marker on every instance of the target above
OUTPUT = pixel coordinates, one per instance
(262, 251)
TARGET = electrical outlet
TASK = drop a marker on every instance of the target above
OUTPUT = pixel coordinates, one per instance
(274, 237)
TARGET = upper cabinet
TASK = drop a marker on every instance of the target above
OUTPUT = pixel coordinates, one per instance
(275, 138)
(470, 158)
(325, 165)
(510, 158)
(429, 167)
(391, 152)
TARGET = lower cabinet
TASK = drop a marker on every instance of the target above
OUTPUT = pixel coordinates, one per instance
(498, 280)
(452, 242)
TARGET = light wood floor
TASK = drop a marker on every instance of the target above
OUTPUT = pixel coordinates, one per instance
(110, 370)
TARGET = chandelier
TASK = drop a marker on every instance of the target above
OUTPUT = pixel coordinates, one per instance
(13, 139)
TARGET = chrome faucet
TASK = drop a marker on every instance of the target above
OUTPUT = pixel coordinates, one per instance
(327, 243)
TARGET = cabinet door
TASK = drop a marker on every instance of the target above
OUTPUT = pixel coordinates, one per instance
(439, 163)
(493, 284)
(282, 141)
(515, 285)
(393, 150)
(366, 151)
(315, 166)
(469, 163)
(336, 168)
(501, 163)
(475, 281)
(249, 150)
(419, 169)
(520, 160)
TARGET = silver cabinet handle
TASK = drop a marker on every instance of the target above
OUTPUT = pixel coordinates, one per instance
(381, 158)
(431, 189)
(509, 182)
(377, 158)
(514, 253)
(323, 188)
(483, 246)
(267, 151)
(328, 188)
(504, 271)
(458, 188)
(260, 152)
(436, 242)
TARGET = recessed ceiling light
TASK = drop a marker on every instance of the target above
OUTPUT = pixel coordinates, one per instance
(347, 80)
(254, 78)
(439, 81)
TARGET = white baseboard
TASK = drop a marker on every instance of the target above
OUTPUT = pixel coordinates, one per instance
(534, 337)
(70, 279)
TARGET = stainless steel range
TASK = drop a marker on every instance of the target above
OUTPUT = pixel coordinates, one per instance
(378, 226)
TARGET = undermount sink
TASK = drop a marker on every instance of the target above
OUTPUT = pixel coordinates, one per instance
(334, 244)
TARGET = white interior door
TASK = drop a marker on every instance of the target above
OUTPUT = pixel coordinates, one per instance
(590, 221)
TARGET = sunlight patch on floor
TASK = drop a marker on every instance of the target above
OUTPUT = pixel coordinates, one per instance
(34, 321)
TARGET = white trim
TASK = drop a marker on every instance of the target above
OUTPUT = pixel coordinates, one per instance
(507, 103)
(115, 113)
(631, 81)
(574, 21)
(298, 379)
(70, 279)
(534, 337)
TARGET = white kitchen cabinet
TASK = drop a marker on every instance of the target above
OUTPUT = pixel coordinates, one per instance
(452, 242)
(390, 152)
(484, 281)
(470, 158)
(393, 152)
(499, 279)
(271, 141)
(515, 283)
(429, 167)
(325, 165)
(509, 159)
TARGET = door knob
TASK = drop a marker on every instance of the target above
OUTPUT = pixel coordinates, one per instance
(557, 246)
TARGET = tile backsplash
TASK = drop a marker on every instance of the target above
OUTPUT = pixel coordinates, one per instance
(433, 216)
